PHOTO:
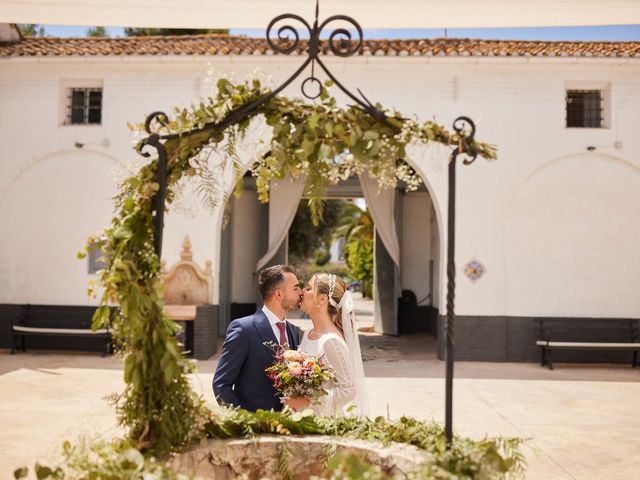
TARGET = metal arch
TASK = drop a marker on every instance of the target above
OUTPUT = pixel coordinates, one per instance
(461, 125)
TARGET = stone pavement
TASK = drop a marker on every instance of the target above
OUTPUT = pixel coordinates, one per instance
(582, 421)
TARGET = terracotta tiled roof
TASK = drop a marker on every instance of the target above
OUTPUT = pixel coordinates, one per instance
(232, 45)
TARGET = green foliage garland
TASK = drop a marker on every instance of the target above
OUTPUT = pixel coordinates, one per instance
(320, 140)
(489, 458)
(116, 459)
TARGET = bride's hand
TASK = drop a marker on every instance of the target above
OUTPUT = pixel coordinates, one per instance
(297, 403)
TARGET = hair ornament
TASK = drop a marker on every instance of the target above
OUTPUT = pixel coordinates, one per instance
(332, 287)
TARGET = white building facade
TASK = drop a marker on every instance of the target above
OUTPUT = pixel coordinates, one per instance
(554, 221)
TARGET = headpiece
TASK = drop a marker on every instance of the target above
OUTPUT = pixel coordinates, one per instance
(332, 287)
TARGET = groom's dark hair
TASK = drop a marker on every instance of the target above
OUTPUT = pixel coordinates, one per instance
(271, 277)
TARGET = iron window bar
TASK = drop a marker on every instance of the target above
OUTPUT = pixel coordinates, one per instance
(584, 109)
(84, 106)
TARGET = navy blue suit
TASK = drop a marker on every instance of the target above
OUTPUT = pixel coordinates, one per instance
(240, 379)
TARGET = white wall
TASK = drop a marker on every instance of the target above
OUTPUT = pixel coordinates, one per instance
(40, 227)
(245, 235)
(571, 246)
(518, 104)
(53, 196)
(416, 244)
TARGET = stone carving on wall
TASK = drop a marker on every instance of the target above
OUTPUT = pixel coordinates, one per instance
(186, 283)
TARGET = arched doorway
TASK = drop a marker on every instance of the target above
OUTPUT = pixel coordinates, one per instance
(406, 295)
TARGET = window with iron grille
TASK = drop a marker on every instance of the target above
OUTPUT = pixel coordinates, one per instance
(584, 108)
(85, 106)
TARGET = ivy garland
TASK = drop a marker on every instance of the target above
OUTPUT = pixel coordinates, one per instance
(321, 141)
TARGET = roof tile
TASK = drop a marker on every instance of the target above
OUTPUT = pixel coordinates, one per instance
(234, 45)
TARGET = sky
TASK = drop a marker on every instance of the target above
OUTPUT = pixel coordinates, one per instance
(607, 33)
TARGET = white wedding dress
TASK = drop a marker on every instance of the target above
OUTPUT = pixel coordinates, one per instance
(342, 390)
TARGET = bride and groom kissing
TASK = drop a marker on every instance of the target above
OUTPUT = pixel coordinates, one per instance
(240, 379)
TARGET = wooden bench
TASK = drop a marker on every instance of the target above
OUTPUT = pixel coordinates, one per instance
(53, 326)
(587, 334)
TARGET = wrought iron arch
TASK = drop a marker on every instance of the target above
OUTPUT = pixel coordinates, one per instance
(339, 43)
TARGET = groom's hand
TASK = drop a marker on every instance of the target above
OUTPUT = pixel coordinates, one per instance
(297, 403)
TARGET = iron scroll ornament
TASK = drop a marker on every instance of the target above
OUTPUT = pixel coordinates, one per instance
(340, 43)
(465, 143)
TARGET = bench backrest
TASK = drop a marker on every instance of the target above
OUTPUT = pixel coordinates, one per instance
(589, 329)
(56, 316)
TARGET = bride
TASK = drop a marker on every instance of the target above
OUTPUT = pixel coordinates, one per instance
(329, 304)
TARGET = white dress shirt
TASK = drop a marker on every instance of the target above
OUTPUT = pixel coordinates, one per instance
(273, 319)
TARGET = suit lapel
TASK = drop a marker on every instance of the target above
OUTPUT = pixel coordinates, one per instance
(263, 327)
(291, 332)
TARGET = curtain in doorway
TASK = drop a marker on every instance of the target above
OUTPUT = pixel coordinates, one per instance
(381, 204)
(284, 198)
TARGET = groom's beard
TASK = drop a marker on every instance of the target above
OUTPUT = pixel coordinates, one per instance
(290, 305)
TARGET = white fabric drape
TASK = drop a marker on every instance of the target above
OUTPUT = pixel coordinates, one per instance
(284, 197)
(382, 207)
(369, 13)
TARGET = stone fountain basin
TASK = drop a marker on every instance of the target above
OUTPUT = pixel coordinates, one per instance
(259, 457)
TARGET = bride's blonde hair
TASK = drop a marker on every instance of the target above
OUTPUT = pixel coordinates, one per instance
(333, 287)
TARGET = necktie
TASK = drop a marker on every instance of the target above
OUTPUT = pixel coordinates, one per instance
(283, 333)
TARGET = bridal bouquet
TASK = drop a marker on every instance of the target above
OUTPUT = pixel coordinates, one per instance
(298, 374)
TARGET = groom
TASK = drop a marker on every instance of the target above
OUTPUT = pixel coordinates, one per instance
(240, 379)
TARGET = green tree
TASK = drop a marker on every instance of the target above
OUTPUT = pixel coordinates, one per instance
(360, 261)
(357, 228)
(305, 238)
(31, 30)
(145, 32)
(97, 32)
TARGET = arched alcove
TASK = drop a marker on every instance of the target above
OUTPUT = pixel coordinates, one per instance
(572, 240)
(420, 163)
(39, 223)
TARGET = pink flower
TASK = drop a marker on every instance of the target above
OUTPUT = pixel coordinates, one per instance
(292, 356)
(295, 369)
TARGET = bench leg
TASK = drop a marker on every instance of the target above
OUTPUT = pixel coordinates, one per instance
(635, 359)
(23, 343)
(543, 356)
(107, 348)
(15, 344)
(549, 360)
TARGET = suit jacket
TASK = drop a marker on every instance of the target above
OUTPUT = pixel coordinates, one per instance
(240, 379)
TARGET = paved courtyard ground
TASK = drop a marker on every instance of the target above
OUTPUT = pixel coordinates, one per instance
(582, 421)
